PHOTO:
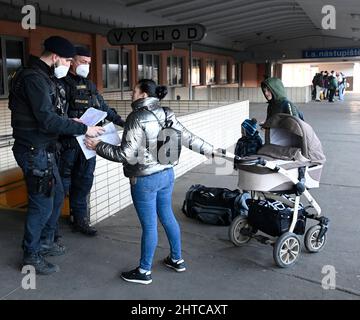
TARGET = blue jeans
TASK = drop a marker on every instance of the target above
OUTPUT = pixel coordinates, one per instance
(43, 209)
(341, 92)
(152, 197)
(77, 176)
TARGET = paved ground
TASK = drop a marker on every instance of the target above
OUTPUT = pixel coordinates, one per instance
(216, 269)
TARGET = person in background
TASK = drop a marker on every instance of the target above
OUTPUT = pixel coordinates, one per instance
(342, 83)
(275, 93)
(318, 82)
(151, 182)
(326, 84)
(313, 91)
(333, 85)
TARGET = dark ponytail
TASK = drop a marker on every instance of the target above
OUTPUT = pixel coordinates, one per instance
(161, 92)
(149, 87)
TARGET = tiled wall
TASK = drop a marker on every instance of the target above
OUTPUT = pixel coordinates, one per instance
(123, 108)
(116, 95)
(7, 160)
(219, 126)
(181, 107)
(111, 193)
(255, 95)
(228, 92)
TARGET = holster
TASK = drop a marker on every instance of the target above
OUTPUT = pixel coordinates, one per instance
(41, 181)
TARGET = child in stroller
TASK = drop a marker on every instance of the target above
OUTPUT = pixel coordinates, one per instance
(289, 163)
(250, 141)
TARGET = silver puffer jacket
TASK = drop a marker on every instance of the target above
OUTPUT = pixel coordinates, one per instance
(141, 129)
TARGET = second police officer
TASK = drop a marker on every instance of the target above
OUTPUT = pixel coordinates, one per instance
(76, 171)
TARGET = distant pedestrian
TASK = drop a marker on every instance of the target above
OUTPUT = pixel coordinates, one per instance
(342, 85)
(326, 85)
(333, 85)
(318, 83)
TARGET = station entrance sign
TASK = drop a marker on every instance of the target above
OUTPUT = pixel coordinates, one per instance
(159, 34)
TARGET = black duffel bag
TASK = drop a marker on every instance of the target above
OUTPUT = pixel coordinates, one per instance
(274, 217)
(216, 206)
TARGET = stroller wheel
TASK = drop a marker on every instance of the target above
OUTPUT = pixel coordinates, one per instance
(312, 243)
(236, 231)
(287, 250)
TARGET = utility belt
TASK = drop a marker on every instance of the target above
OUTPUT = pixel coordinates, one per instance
(51, 147)
(68, 143)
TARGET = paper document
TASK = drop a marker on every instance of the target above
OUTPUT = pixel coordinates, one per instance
(110, 136)
(93, 116)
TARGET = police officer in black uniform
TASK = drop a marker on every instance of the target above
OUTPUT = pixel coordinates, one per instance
(76, 171)
(36, 108)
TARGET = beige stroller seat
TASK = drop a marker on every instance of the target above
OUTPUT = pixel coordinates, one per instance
(290, 143)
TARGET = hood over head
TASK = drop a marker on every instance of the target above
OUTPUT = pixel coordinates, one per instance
(276, 87)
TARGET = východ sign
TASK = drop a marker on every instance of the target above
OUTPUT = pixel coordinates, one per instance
(159, 34)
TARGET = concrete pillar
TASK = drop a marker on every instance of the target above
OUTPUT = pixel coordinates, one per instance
(96, 68)
(203, 71)
(356, 77)
(133, 64)
(229, 72)
(268, 69)
(217, 71)
(163, 69)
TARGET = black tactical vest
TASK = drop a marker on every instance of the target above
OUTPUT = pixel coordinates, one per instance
(82, 97)
(22, 116)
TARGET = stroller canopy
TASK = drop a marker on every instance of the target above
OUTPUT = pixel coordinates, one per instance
(292, 134)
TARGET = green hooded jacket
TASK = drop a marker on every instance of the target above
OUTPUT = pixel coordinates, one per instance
(279, 103)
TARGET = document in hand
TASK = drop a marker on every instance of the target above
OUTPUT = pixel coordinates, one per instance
(110, 136)
(93, 116)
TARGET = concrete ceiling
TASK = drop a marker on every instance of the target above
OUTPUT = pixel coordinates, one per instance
(273, 28)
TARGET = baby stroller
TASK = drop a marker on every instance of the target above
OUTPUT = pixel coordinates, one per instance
(289, 163)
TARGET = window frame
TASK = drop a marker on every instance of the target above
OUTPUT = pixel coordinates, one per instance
(3, 39)
(169, 80)
(120, 75)
(198, 59)
(222, 64)
(206, 65)
(144, 56)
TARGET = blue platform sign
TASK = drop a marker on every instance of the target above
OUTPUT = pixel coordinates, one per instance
(331, 53)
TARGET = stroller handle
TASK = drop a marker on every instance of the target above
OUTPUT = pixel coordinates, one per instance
(259, 160)
(238, 160)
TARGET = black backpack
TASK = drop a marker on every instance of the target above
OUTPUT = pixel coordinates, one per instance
(216, 206)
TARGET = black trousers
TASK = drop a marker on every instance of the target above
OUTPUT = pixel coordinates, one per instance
(332, 94)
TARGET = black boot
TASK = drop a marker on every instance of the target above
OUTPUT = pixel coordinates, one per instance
(39, 263)
(52, 249)
(84, 227)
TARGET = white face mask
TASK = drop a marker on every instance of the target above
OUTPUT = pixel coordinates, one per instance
(82, 70)
(61, 71)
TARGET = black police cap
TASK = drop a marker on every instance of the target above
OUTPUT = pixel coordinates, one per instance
(59, 45)
(82, 51)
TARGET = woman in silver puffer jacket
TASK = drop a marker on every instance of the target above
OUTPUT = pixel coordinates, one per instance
(151, 182)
